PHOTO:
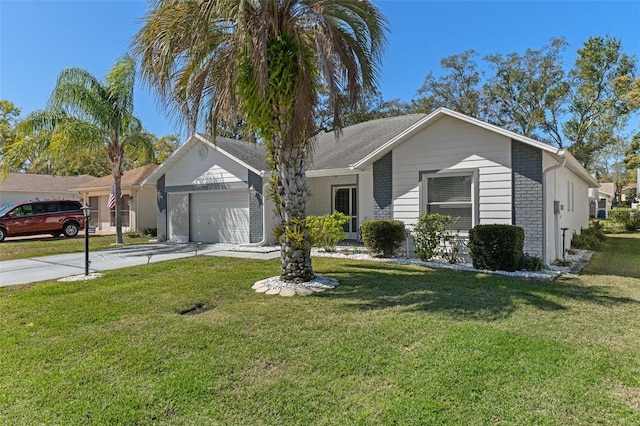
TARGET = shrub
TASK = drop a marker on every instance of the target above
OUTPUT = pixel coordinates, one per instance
(383, 236)
(433, 237)
(327, 231)
(496, 247)
(629, 218)
(590, 238)
(531, 263)
(150, 232)
(134, 234)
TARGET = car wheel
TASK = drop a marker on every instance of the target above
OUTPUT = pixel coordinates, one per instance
(70, 229)
(2, 234)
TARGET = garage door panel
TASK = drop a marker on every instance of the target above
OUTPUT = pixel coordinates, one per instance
(220, 217)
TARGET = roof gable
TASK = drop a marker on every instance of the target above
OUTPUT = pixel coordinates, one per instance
(248, 154)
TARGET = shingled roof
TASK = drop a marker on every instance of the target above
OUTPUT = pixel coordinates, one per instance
(250, 153)
(27, 182)
(331, 150)
(129, 178)
(356, 142)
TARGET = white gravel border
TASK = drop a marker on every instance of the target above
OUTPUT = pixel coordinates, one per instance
(360, 253)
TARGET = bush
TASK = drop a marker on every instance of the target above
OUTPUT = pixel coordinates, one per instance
(531, 263)
(590, 238)
(326, 231)
(150, 232)
(383, 236)
(629, 218)
(496, 247)
(433, 237)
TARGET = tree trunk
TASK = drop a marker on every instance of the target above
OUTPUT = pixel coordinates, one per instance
(116, 157)
(118, 193)
(291, 195)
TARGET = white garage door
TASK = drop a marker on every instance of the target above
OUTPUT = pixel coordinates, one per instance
(220, 217)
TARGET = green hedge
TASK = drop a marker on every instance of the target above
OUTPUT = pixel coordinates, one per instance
(496, 247)
(629, 218)
(383, 236)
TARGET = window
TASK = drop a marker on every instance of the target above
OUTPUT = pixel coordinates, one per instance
(345, 201)
(94, 218)
(451, 195)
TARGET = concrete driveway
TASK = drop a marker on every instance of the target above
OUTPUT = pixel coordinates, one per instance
(25, 271)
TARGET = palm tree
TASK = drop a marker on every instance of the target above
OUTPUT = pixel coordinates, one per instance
(264, 61)
(86, 115)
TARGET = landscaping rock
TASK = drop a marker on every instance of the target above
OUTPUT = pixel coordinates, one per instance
(288, 292)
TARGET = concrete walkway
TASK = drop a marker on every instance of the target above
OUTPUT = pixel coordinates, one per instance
(25, 271)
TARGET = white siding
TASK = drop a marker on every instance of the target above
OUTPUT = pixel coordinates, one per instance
(574, 209)
(217, 168)
(446, 146)
(365, 193)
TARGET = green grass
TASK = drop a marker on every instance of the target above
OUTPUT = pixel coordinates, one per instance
(11, 249)
(391, 345)
(619, 255)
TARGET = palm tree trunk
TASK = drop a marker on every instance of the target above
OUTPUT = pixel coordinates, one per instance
(116, 157)
(291, 193)
(118, 222)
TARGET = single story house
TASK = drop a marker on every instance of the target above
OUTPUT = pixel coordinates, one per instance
(397, 167)
(139, 203)
(17, 187)
(601, 200)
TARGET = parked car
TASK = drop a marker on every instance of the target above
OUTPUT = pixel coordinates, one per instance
(41, 217)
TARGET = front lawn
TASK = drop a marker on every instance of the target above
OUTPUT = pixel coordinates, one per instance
(391, 345)
(11, 249)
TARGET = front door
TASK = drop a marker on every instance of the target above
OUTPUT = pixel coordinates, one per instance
(345, 200)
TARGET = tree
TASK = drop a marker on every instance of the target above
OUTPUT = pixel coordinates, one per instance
(458, 89)
(265, 61)
(371, 107)
(155, 153)
(85, 115)
(9, 114)
(598, 106)
(527, 93)
(632, 156)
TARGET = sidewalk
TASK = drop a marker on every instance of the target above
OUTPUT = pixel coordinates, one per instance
(25, 271)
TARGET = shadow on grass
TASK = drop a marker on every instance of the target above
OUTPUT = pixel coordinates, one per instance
(462, 295)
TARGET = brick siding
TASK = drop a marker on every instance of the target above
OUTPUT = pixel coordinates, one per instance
(256, 204)
(383, 187)
(162, 209)
(527, 190)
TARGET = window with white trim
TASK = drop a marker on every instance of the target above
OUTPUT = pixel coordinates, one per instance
(451, 195)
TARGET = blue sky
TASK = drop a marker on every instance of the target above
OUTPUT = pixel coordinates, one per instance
(40, 38)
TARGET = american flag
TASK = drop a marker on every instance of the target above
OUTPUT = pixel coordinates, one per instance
(111, 203)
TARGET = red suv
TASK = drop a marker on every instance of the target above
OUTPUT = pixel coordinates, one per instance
(41, 217)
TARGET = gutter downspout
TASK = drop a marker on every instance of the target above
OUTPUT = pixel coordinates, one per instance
(545, 197)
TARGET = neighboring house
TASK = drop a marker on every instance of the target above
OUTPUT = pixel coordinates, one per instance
(601, 200)
(139, 203)
(18, 187)
(398, 167)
